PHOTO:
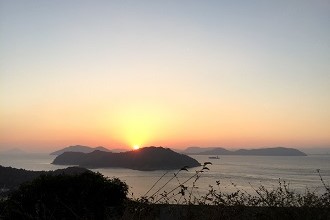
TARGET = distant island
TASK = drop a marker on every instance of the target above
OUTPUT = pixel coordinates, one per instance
(79, 148)
(148, 158)
(274, 151)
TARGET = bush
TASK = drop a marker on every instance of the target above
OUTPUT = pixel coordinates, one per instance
(184, 201)
(85, 196)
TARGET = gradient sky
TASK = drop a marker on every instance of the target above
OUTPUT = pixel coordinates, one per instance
(171, 73)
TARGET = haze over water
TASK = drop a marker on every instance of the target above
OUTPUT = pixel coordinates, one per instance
(246, 172)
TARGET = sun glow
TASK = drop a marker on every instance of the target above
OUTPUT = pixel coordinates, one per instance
(138, 123)
(136, 147)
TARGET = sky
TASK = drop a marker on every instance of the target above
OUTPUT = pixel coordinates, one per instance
(235, 74)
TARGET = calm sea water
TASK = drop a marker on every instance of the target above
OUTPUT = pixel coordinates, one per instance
(246, 172)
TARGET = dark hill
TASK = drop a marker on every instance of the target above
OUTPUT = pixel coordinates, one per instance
(79, 148)
(11, 177)
(148, 158)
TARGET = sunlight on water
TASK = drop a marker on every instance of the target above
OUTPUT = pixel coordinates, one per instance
(246, 172)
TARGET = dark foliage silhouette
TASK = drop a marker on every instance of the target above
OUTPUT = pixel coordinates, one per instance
(85, 196)
(12, 178)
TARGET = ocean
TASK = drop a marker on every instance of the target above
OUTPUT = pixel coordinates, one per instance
(233, 172)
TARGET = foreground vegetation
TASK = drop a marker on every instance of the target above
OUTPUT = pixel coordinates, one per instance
(282, 196)
(185, 202)
(84, 196)
(90, 195)
(12, 178)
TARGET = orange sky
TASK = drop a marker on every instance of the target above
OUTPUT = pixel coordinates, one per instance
(171, 74)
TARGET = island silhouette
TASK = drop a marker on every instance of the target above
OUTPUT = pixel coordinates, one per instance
(147, 158)
(273, 151)
(79, 148)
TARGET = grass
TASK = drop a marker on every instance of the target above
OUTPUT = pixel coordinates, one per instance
(180, 198)
(184, 201)
(187, 192)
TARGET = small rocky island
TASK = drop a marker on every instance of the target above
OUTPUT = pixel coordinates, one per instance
(148, 158)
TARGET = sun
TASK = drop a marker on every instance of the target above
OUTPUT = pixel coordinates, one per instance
(136, 147)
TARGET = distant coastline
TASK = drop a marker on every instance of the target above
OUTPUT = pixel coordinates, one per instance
(274, 151)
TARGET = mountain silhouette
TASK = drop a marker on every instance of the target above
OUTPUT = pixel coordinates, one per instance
(148, 158)
(79, 148)
(274, 151)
